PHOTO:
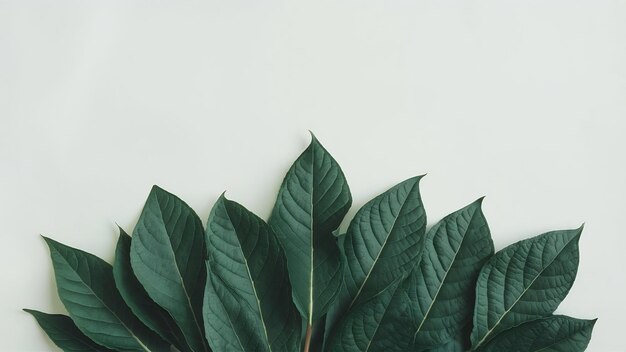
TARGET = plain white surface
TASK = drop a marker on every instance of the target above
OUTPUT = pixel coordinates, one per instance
(521, 101)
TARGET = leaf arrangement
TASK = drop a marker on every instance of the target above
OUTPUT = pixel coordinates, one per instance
(295, 284)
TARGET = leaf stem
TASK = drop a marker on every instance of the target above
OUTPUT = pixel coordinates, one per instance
(307, 338)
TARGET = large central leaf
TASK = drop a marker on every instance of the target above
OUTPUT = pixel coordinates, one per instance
(313, 199)
(525, 281)
(167, 256)
(248, 297)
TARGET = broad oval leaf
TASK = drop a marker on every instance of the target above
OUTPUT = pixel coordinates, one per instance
(248, 302)
(442, 296)
(552, 334)
(64, 333)
(312, 200)
(167, 257)
(525, 281)
(87, 289)
(135, 296)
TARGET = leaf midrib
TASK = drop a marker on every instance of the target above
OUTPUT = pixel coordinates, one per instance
(522, 294)
(382, 248)
(102, 302)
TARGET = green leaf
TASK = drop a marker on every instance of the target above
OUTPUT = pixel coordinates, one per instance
(555, 334)
(64, 333)
(360, 331)
(313, 199)
(248, 303)
(135, 296)
(87, 289)
(167, 257)
(442, 295)
(384, 241)
(523, 282)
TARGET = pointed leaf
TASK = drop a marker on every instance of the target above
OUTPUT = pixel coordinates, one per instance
(523, 282)
(249, 306)
(64, 333)
(313, 199)
(556, 334)
(442, 297)
(135, 296)
(384, 241)
(167, 257)
(87, 289)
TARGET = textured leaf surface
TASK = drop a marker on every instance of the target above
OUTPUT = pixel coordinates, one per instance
(523, 282)
(360, 331)
(552, 334)
(64, 333)
(442, 295)
(248, 303)
(313, 199)
(87, 289)
(135, 296)
(383, 242)
(167, 257)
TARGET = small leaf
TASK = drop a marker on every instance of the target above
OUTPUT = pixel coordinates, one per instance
(167, 257)
(248, 303)
(525, 281)
(87, 289)
(312, 200)
(64, 333)
(442, 296)
(135, 296)
(556, 333)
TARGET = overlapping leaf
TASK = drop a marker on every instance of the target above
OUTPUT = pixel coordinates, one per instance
(248, 301)
(556, 334)
(87, 289)
(312, 200)
(167, 257)
(135, 296)
(64, 333)
(523, 282)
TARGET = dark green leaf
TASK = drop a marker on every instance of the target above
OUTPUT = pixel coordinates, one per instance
(552, 334)
(312, 201)
(64, 333)
(87, 289)
(442, 296)
(167, 257)
(135, 296)
(360, 331)
(525, 281)
(384, 241)
(248, 303)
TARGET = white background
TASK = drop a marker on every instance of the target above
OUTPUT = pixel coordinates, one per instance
(521, 101)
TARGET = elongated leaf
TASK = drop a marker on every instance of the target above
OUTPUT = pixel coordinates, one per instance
(167, 257)
(360, 331)
(135, 296)
(87, 289)
(384, 241)
(525, 281)
(312, 201)
(442, 298)
(552, 334)
(249, 306)
(64, 333)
